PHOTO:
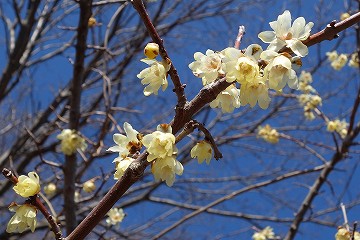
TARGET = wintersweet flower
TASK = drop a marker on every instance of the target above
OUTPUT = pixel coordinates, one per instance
(286, 35)
(332, 56)
(121, 166)
(116, 215)
(92, 22)
(50, 189)
(151, 50)
(255, 92)
(154, 76)
(24, 218)
(89, 186)
(28, 186)
(265, 234)
(339, 62)
(227, 100)
(242, 67)
(161, 143)
(129, 144)
(344, 16)
(269, 134)
(338, 126)
(305, 79)
(202, 151)
(165, 169)
(354, 60)
(344, 234)
(279, 71)
(70, 141)
(207, 67)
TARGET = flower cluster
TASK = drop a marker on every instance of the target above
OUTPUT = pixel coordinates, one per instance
(265, 234)
(255, 70)
(70, 141)
(268, 133)
(161, 149)
(338, 61)
(162, 154)
(338, 126)
(202, 151)
(344, 234)
(116, 215)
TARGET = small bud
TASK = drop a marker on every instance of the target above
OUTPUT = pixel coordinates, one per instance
(344, 16)
(92, 22)
(89, 186)
(50, 189)
(151, 50)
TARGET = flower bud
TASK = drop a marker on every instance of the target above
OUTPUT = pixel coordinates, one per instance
(89, 186)
(92, 22)
(151, 50)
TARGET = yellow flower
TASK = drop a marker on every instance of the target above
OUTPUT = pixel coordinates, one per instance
(128, 144)
(354, 60)
(255, 92)
(116, 215)
(151, 50)
(202, 151)
(332, 56)
(338, 126)
(121, 166)
(28, 186)
(89, 186)
(344, 16)
(227, 100)
(92, 22)
(70, 141)
(165, 169)
(24, 218)
(154, 76)
(268, 134)
(207, 66)
(339, 62)
(266, 233)
(160, 144)
(50, 189)
(342, 234)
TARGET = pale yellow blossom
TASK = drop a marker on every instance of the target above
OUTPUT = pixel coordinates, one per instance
(202, 151)
(50, 189)
(165, 169)
(305, 80)
(268, 133)
(285, 35)
(28, 186)
(121, 166)
(70, 141)
(344, 16)
(125, 145)
(255, 92)
(92, 22)
(332, 56)
(227, 100)
(265, 234)
(338, 126)
(340, 62)
(89, 186)
(160, 144)
(24, 218)
(116, 215)
(354, 60)
(155, 76)
(207, 66)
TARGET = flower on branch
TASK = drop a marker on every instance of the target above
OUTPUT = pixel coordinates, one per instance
(202, 151)
(227, 100)
(116, 215)
(265, 234)
(354, 60)
(89, 186)
(121, 166)
(154, 76)
(161, 143)
(269, 134)
(24, 218)
(242, 67)
(129, 144)
(286, 35)
(305, 80)
(339, 62)
(207, 66)
(279, 71)
(165, 169)
(50, 189)
(255, 92)
(28, 186)
(70, 141)
(332, 56)
(338, 126)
